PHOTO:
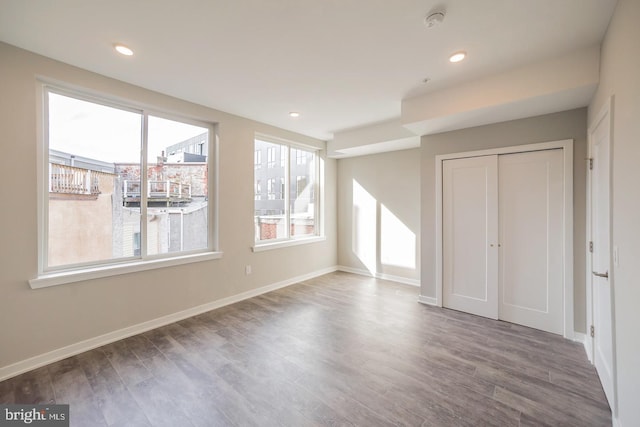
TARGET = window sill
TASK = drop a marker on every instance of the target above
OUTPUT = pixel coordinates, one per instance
(286, 243)
(64, 277)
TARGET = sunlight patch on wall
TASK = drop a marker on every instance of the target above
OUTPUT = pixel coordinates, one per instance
(364, 227)
(397, 241)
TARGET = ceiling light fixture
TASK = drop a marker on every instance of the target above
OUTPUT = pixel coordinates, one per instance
(294, 114)
(457, 57)
(122, 49)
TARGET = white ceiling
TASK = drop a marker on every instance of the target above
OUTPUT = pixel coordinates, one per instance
(342, 63)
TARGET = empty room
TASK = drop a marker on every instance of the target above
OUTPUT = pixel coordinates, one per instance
(295, 213)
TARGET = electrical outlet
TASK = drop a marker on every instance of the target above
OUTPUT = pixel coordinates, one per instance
(247, 270)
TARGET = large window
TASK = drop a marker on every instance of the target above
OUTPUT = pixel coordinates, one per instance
(290, 209)
(111, 192)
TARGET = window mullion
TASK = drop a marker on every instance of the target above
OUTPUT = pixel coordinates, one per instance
(144, 183)
(45, 183)
(316, 194)
(287, 193)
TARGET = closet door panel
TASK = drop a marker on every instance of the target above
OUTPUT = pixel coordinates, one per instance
(531, 211)
(469, 213)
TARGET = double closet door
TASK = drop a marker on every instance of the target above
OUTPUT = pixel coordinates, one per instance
(503, 237)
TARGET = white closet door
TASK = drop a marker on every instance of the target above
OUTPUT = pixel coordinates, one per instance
(469, 235)
(531, 210)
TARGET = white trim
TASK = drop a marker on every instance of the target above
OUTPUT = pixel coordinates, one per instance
(606, 112)
(579, 337)
(91, 343)
(567, 149)
(214, 190)
(585, 340)
(144, 182)
(382, 276)
(42, 160)
(321, 212)
(551, 145)
(423, 299)
(567, 146)
(283, 141)
(439, 280)
(107, 270)
(286, 243)
(589, 342)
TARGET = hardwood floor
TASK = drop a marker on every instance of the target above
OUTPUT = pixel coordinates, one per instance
(340, 349)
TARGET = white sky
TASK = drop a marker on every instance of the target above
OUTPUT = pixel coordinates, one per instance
(109, 134)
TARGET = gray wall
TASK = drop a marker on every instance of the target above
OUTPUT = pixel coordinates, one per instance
(38, 321)
(393, 181)
(620, 78)
(551, 127)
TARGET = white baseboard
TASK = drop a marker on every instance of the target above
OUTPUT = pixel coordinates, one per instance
(383, 276)
(585, 340)
(579, 337)
(35, 362)
(428, 300)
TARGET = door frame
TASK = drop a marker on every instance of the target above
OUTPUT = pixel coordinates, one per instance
(567, 146)
(605, 113)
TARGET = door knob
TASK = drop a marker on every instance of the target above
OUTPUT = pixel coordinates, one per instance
(605, 274)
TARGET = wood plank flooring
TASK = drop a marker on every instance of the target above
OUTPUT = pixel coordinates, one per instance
(340, 349)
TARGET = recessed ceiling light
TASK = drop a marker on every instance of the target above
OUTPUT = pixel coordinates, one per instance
(123, 49)
(457, 57)
(294, 114)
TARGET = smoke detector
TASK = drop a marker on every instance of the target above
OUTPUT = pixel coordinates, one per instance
(433, 19)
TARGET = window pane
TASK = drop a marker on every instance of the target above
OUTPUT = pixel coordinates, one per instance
(302, 192)
(88, 144)
(271, 188)
(177, 218)
(271, 157)
(269, 208)
(257, 159)
(258, 189)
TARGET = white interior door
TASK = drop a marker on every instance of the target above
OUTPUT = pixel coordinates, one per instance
(600, 260)
(531, 237)
(469, 235)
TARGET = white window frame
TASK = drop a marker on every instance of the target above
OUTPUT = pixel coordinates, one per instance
(318, 236)
(58, 275)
